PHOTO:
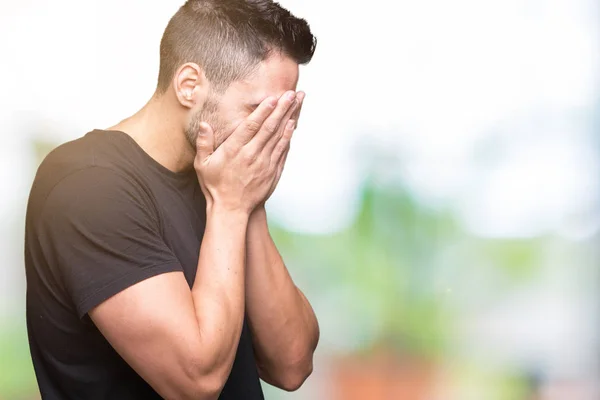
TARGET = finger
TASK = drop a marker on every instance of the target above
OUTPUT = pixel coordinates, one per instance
(270, 145)
(284, 142)
(251, 126)
(272, 124)
(300, 99)
(279, 170)
(205, 142)
(283, 159)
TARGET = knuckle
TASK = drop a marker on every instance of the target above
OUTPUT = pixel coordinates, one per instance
(252, 126)
(228, 151)
(248, 156)
(262, 164)
(270, 127)
(282, 146)
(278, 151)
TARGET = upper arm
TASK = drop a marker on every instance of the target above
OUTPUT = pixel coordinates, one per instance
(153, 326)
(99, 234)
(102, 241)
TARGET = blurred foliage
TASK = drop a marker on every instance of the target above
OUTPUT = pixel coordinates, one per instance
(497, 384)
(385, 259)
(389, 261)
(42, 148)
(517, 258)
(17, 379)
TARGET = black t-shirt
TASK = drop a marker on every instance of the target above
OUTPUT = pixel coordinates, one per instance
(103, 216)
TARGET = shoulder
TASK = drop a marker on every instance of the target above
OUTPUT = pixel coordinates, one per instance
(98, 192)
(94, 149)
(90, 172)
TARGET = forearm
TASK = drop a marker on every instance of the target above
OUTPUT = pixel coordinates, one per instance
(218, 290)
(183, 343)
(284, 326)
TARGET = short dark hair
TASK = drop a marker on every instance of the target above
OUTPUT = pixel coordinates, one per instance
(229, 38)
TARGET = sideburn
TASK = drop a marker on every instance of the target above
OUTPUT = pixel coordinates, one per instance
(206, 114)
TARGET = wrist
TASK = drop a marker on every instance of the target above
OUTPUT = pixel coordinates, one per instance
(257, 225)
(215, 208)
(258, 215)
(259, 210)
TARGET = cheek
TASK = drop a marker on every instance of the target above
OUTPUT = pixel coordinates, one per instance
(224, 128)
(231, 123)
(237, 120)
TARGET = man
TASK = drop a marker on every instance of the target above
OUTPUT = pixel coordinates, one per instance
(150, 269)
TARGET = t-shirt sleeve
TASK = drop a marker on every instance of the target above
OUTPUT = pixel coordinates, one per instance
(100, 234)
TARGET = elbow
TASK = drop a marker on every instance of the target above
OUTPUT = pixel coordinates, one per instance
(202, 388)
(211, 386)
(203, 384)
(290, 376)
(294, 379)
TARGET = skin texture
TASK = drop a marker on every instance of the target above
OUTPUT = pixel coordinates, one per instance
(183, 342)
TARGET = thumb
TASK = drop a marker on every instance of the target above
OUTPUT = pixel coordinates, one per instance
(205, 141)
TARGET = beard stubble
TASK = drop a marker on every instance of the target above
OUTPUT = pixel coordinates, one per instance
(207, 114)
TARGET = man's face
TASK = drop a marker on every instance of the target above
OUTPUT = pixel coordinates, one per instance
(224, 112)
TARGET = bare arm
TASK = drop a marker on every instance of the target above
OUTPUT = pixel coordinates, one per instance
(183, 342)
(284, 326)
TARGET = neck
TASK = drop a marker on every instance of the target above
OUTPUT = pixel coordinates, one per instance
(159, 132)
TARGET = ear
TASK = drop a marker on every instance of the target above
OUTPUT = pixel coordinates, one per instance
(190, 85)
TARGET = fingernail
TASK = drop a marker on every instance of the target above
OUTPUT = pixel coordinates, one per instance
(291, 95)
(272, 102)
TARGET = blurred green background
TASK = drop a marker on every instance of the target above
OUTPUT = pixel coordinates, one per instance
(440, 207)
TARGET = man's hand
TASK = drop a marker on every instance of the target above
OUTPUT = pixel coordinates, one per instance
(294, 115)
(284, 327)
(243, 171)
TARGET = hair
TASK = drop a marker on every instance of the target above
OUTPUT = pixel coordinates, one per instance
(229, 38)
